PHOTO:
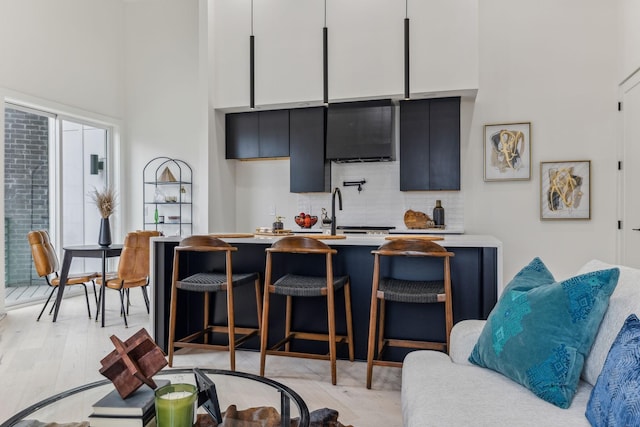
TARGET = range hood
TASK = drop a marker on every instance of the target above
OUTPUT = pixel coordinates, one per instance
(360, 131)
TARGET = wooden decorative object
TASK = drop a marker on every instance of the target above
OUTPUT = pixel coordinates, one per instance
(167, 175)
(417, 220)
(133, 363)
(266, 416)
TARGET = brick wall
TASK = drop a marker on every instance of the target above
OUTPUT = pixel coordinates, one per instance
(26, 186)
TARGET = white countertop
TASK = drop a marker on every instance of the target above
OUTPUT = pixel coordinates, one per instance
(400, 230)
(427, 231)
(451, 240)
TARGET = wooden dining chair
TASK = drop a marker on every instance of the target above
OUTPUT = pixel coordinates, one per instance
(47, 266)
(133, 269)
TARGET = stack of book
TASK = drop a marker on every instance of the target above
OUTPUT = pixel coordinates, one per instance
(137, 410)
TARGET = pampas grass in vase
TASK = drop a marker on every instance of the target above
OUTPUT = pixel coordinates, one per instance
(105, 201)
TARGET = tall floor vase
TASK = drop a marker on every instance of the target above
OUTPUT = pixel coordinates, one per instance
(104, 238)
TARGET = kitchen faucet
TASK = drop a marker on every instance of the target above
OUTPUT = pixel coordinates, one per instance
(333, 209)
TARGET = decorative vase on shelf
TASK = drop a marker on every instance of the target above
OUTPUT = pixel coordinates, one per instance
(104, 238)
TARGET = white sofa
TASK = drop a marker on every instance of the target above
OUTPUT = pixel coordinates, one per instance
(446, 390)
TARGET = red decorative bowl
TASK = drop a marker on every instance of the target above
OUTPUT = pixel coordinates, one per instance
(306, 221)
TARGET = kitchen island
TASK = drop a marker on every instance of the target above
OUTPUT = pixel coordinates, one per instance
(476, 276)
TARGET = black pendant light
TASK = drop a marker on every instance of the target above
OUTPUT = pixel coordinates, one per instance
(252, 83)
(325, 58)
(406, 51)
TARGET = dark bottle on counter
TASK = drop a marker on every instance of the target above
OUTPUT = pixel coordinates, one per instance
(277, 225)
(438, 214)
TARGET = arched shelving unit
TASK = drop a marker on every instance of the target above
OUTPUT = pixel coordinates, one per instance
(167, 190)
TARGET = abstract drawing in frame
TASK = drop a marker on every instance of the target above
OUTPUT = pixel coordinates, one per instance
(507, 152)
(565, 190)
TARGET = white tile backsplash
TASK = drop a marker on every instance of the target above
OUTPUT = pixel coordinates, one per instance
(380, 202)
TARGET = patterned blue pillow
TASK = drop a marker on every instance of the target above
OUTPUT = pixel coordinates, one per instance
(615, 400)
(540, 331)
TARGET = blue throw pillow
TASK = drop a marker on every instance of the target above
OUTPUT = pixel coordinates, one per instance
(540, 331)
(615, 399)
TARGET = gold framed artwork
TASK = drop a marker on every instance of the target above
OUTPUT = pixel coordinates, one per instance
(507, 152)
(565, 190)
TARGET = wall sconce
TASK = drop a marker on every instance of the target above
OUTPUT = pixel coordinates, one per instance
(97, 165)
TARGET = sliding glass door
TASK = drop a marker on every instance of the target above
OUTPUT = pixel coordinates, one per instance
(84, 167)
(51, 163)
(27, 204)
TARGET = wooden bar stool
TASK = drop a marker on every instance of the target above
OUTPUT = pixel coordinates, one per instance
(292, 285)
(407, 291)
(207, 282)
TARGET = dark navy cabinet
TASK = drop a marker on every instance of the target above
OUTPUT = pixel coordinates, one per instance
(430, 144)
(309, 171)
(257, 134)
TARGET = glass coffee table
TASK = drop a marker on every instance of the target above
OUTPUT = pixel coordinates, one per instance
(233, 388)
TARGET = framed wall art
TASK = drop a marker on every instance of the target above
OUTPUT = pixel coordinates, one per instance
(507, 152)
(565, 190)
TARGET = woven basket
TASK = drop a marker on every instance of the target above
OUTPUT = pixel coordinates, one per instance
(417, 220)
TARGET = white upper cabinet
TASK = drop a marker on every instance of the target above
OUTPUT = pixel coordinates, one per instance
(288, 50)
(444, 45)
(366, 49)
(230, 26)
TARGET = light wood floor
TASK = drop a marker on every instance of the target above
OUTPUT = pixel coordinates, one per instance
(16, 296)
(38, 359)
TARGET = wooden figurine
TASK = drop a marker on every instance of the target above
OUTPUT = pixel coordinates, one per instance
(134, 362)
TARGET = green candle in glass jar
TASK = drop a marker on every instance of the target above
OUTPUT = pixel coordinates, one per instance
(175, 404)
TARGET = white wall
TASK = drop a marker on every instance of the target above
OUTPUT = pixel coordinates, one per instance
(140, 60)
(262, 188)
(66, 53)
(629, 16)
(166, 97)
(222, 195)
(553, 64)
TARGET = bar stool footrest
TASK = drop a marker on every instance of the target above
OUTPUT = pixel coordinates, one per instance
(246, 334)
(377, 362)
(202, 346)
(309, 336)
(421, 345)
(298, 354)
